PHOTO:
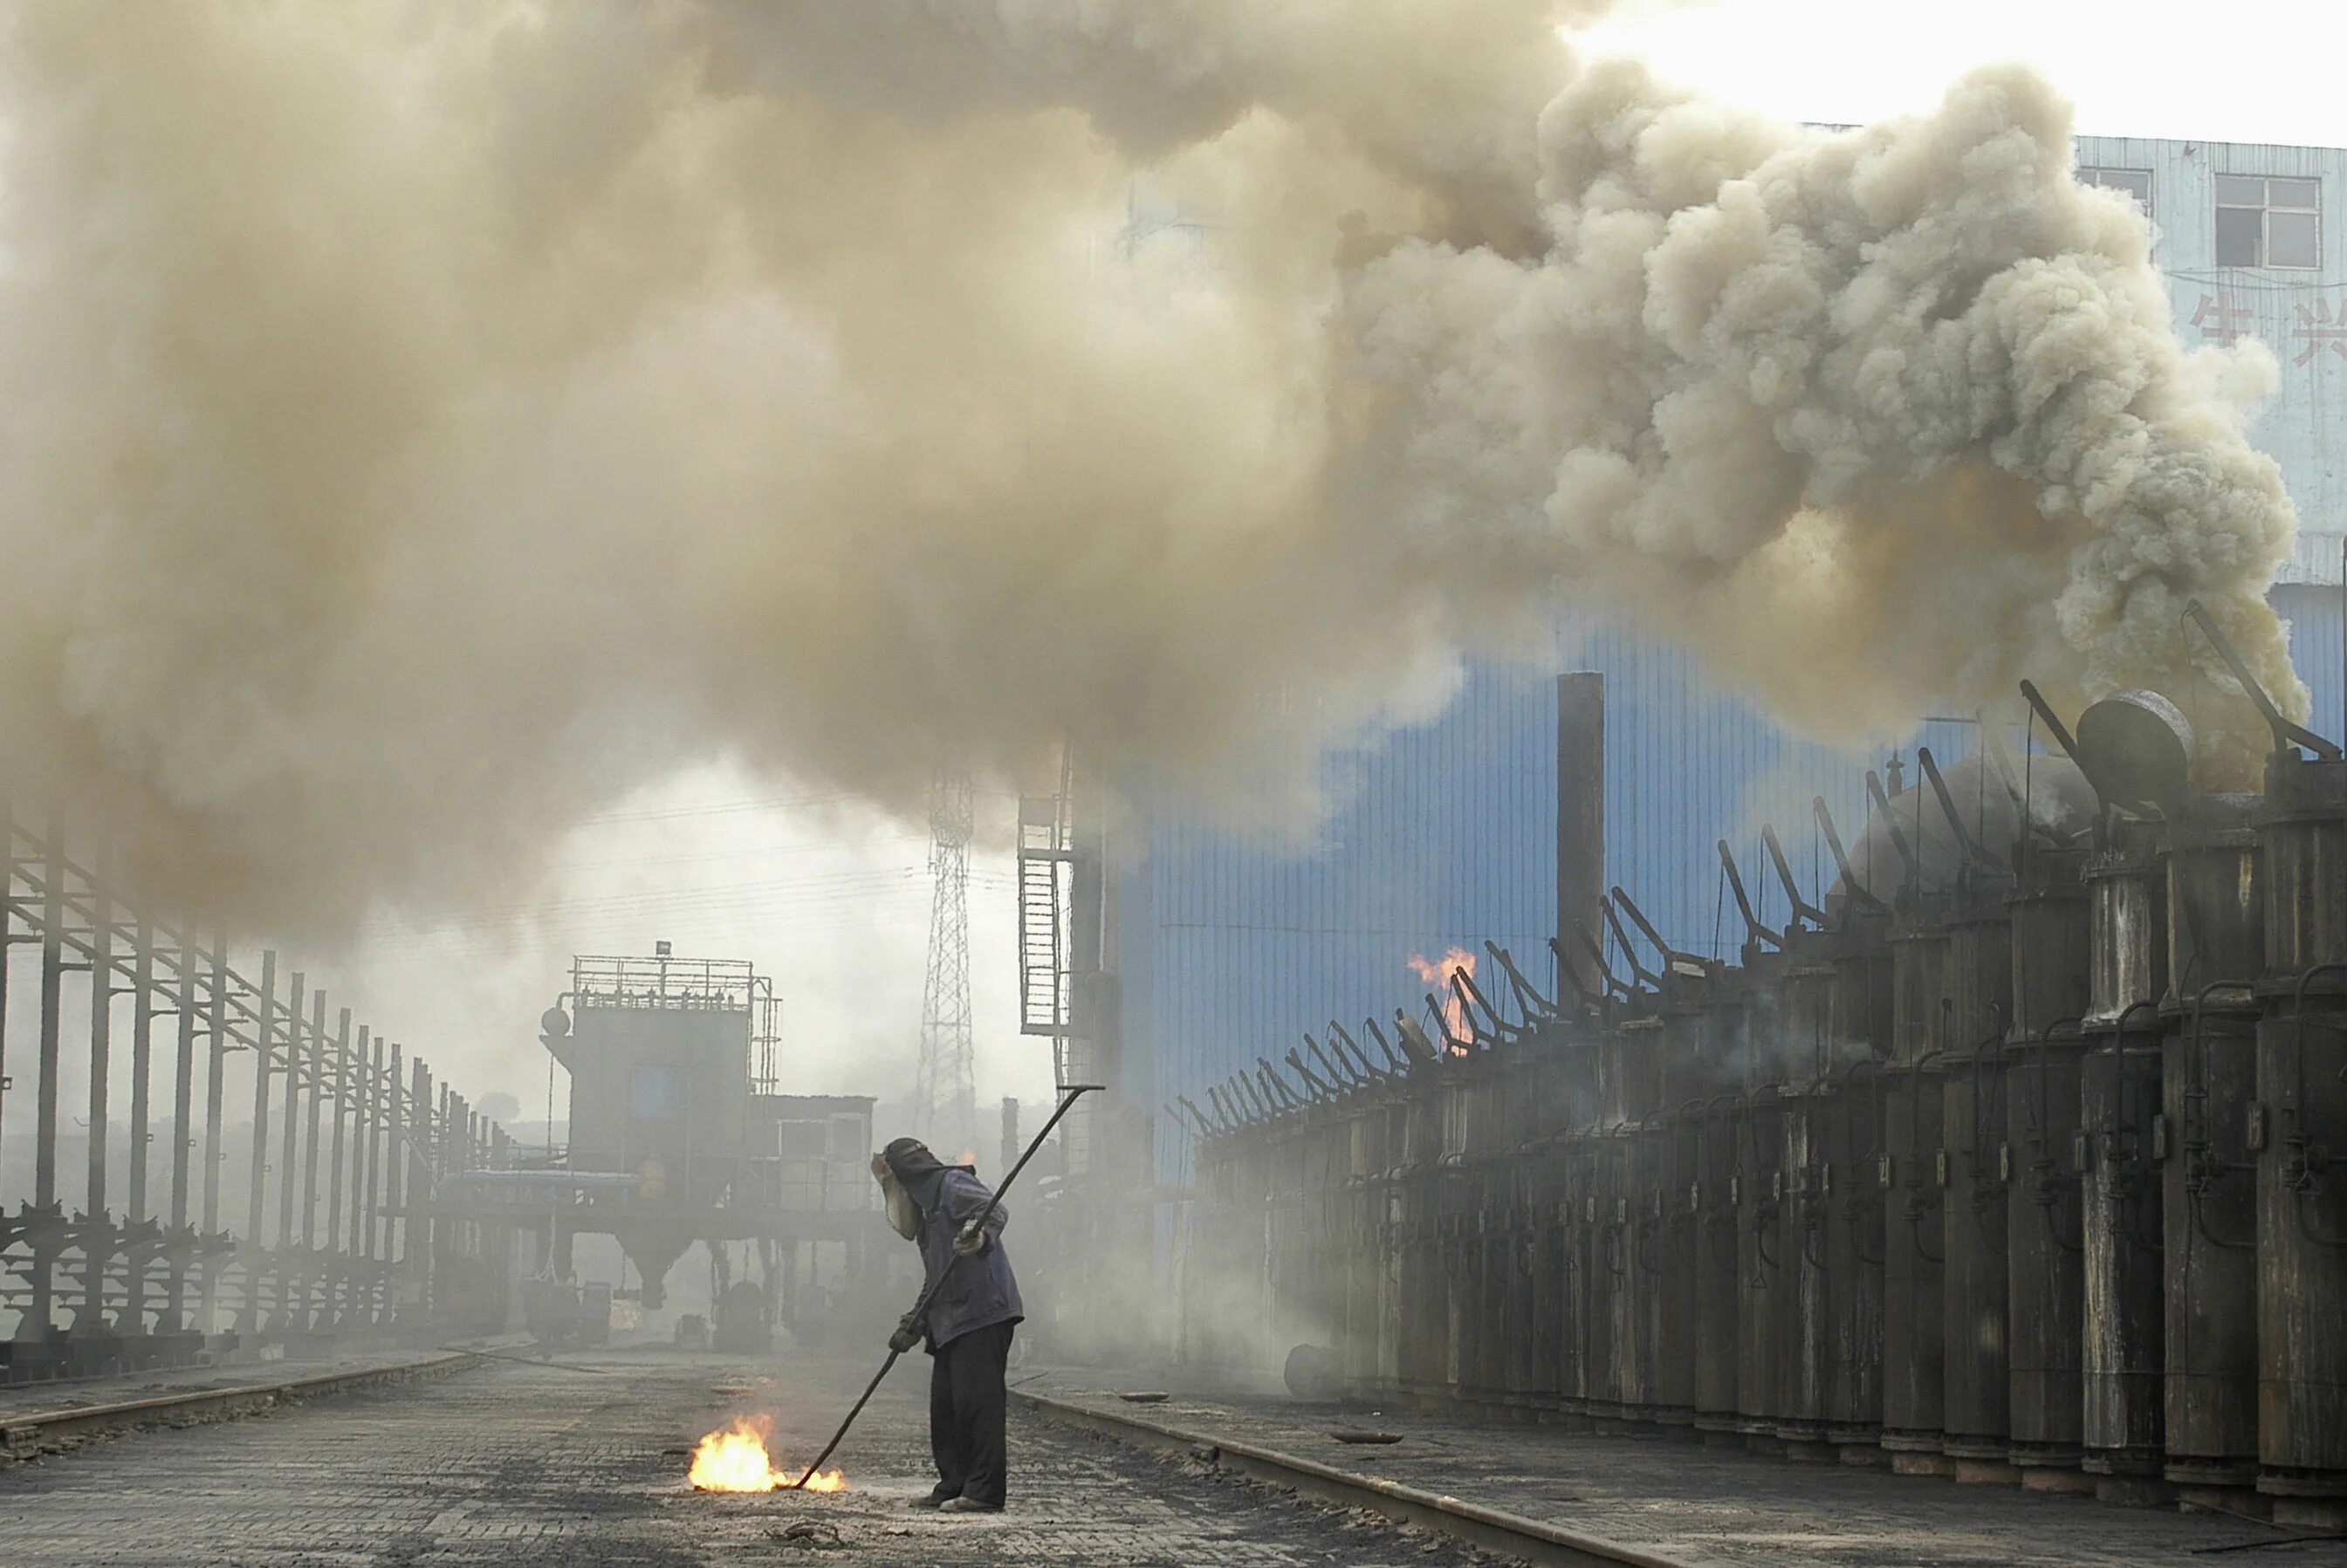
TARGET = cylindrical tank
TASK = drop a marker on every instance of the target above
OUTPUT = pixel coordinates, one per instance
(1914, 1231)
(2125, 1345)
(1850, 1102)
(1804, 1273)
(2052, 920)
(1803, 1308)
(1854, 1237)
(1761, 1281)
(1715, 1286)
(1977, 1399)
(2299, 1133)
(1672, 1308)
(2209, 1197)
(1612, 1319)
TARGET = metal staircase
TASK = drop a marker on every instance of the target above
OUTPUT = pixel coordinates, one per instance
(1046, 848)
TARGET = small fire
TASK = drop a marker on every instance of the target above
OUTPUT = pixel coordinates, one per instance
(1437, 973)
(735, 1459)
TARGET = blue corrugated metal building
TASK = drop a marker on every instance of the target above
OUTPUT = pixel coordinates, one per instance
(1444, 834)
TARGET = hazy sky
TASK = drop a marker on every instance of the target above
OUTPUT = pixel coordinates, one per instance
(2255, 72)
(832, 898)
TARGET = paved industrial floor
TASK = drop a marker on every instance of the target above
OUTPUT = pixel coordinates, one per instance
(527, 1467)
(1708, 1506)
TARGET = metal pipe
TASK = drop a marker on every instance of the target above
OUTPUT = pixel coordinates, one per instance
(1753, 931)
(2286, 734)
(142, 1063)
(255, 1208)
(1971, 846)
(215, 1092)
(1802, 909)
(1644, 975)
(183, 1111)
(314, 1104)
(1890, 824)
(1849, 880)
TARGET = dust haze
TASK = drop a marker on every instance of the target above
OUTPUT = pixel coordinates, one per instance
(434, 422)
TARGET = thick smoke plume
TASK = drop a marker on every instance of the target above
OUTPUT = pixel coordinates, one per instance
(430, 421)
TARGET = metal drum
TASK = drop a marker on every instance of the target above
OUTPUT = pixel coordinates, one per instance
(2209, 1197)
(1672, 1315)
(2124, 1347)
(1976, 1392)
(1715, 1264)
(2052, 921)
(2299, 1131)
(1909, 1180)
(1761, 1282)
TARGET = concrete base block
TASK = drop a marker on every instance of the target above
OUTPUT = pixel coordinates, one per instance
(1865, 1456)
(2134, 1492)
(2056, 1480)
(1986, 1473)
(1923, 1465)
(2325, 1513)
(2194, 1497)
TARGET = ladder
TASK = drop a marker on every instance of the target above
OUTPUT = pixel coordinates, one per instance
(1046, 845)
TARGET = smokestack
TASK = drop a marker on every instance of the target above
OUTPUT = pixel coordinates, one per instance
(1580, 815)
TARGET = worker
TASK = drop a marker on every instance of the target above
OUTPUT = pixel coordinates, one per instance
(967, 1326)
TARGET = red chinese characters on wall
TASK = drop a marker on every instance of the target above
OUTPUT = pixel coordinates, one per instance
(2320, 328)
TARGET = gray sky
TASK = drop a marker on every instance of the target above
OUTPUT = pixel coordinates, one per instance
(2256, 72)
(832, 898)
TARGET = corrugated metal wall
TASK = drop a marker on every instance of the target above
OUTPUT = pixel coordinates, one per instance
(1446, 835)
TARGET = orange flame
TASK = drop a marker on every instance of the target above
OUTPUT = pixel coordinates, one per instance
(1437, 973)
(735, 1459)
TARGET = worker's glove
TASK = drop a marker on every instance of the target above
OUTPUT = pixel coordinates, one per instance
(971, 1239)
(907, 1335)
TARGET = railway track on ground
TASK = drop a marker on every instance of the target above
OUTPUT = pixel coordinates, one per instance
(1490, 1529)
(30, 1435)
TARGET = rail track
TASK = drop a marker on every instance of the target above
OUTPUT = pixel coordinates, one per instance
(1488, 1529)
(28, 1435)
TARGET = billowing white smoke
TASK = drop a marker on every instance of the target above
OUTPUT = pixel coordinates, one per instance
(430, 420)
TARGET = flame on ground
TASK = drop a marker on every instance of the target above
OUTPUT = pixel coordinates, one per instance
(735, 1459)
(1437, 973)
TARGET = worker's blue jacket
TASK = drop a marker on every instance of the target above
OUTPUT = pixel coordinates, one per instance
(980, 1291)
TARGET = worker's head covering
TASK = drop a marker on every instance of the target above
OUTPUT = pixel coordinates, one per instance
(918, 1172)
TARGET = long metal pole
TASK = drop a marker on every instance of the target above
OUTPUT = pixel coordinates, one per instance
(1073, 1092)
(371, 1124)
(7, 947)
(338, 1280)
(314, 1104)
(215, 1094)
(249, 1318)
(398, 1233)
(287, 1147)
(45, 1087)
(142, 1067)
(183, 1107)
(96, 1252)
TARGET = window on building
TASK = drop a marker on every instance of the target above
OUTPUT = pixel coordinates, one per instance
(800, 1140)
(2268, 223)
(2135, 183)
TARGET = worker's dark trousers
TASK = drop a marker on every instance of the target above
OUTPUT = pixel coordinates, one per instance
(966, 1409)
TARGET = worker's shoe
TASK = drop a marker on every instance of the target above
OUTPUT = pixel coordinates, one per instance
(967, 1505)
(933, 1500)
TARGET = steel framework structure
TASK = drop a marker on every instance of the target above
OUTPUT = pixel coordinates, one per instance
(149, 1273)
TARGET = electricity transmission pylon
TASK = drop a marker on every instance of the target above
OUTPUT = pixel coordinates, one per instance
(945, 1097)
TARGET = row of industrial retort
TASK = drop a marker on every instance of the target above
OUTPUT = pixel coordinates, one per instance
(2021, 1159)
